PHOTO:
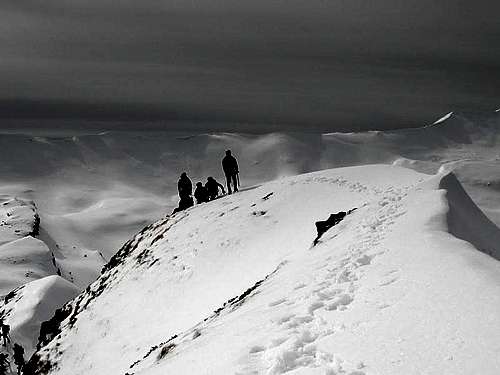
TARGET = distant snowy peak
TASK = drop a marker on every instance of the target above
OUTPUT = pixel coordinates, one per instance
(442, 119)
(238, 286)
(470, 120)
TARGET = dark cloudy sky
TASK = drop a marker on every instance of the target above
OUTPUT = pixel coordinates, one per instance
(309, 64)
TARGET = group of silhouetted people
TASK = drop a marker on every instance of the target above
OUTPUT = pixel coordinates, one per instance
(18, 351)
(212, 189)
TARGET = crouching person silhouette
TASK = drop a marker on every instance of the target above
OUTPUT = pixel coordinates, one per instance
(185, 188)
(201, 193)
(212, 187)
(184, 203)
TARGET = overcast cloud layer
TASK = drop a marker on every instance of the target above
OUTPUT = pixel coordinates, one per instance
(328, 65)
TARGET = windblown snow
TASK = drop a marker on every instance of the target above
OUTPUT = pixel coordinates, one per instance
(235, 286)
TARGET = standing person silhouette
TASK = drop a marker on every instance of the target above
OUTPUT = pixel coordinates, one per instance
(230, 167)
(184, 186)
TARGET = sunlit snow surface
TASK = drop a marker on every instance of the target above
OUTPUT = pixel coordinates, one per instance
(387, 291)
(95, 191)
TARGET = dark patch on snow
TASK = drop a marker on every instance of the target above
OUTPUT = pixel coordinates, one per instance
(154, 262)
(196, 334)
(157, 238)
(266, 197)
(10, 296)
(143, 256)
(14, 295)
(259, 213)
(323, 226)
(238, 300)
(165, 350)
(166, 344)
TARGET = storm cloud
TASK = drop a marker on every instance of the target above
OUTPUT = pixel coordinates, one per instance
(285, 64)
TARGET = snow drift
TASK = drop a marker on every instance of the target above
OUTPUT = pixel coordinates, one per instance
(466, 221)
(236, 286)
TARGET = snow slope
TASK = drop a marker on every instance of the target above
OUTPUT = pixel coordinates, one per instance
(236, 287)
(94, 191)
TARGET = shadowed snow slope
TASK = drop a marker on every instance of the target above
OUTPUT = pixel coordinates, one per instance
(236, 287)
(33, 303)
(467, 222)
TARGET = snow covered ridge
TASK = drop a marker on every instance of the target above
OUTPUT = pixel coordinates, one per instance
(23, 258)
(236, 286)
(30, 289)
